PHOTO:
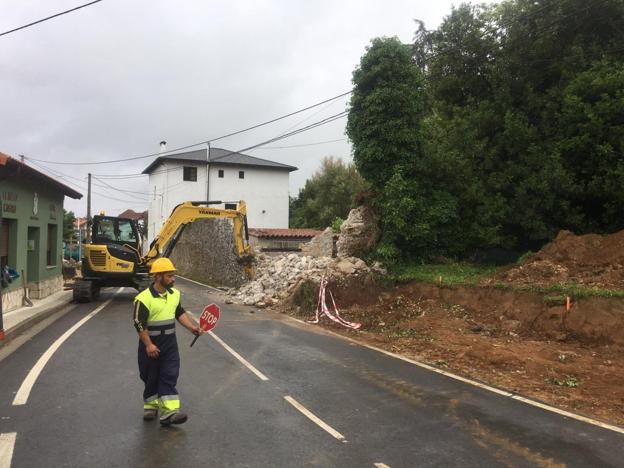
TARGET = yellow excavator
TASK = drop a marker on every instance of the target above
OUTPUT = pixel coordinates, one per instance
(113, 256)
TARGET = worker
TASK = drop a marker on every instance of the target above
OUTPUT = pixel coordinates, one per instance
(155, 311)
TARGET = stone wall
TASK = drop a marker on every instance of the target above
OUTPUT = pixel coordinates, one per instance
(12, 300)
(206, 252)
(320, 246)
(45, 288)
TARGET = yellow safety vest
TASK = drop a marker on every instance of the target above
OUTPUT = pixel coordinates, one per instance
(162, 309)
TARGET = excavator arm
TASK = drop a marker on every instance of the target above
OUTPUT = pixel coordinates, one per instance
(188, 212)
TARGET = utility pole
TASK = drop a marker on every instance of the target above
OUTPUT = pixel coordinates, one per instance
(208, 171)
(1, 272)
(89, 211)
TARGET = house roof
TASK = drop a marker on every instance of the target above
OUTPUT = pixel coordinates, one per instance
(131, 214)
(79, 222)
(280, 232)
(218, 156)
(18, 168)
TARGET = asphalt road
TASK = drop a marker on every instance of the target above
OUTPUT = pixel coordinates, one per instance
(300, 398)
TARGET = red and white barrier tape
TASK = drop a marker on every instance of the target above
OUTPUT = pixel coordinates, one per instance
(334, 315)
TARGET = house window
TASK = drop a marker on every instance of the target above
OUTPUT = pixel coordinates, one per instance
(221, 173)
(241, 174)
(51, 249)
(190, 174)
(230, 206)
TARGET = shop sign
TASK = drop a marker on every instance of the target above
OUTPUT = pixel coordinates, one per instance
(9, 202)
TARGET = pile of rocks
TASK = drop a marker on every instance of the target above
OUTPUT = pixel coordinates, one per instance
(278, 276)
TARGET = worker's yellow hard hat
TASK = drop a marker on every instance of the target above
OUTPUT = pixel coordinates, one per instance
(162, 265)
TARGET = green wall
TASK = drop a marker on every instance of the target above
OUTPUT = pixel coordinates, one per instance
(17, 198)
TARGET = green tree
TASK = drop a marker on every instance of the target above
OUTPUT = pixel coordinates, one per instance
(513, 96)
(69, 220)
(591, 145)
(329, 194)
(385, 110)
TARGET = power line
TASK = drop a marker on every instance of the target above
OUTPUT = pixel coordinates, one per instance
(120, 189)
(295, 132)
(81, 187)
(281, 137)
(303, 145)
(106, 186)
(49, 17)
(195, 144)
(319, 123)
(134, 175)
(266, 142)
(309, 117)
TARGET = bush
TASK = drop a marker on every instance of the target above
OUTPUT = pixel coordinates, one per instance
(336, 225)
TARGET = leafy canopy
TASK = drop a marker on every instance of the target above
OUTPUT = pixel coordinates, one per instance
(329, 194)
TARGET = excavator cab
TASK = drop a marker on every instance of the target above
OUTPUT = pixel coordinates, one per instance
(118, 231)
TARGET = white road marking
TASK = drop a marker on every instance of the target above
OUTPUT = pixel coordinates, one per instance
(7, 442)
(15, 343)
(381, 465)
(314, 418)
(259, 374)
(201, 284)
(474, 383)
(24, 391)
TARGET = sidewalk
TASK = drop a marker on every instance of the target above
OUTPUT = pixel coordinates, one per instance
(18, 320)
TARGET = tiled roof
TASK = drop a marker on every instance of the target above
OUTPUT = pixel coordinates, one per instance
(131, 214)
(280, 232)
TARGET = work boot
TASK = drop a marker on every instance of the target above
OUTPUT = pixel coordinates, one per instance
(174, 418)
(149, 414)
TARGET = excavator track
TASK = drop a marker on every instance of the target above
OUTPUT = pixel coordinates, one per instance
(85, 291)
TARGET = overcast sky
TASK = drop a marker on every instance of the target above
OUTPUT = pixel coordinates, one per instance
(114, 79)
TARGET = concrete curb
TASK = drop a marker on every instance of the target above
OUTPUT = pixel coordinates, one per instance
(46, 311)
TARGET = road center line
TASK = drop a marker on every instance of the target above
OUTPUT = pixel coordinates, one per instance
(7, 442)
(24, 391)
(245, 363)
(381, 465)
(201, 284)
(319, 422)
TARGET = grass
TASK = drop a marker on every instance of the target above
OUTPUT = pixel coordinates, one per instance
(448, 273)
(306, 296)
(556, 294)
(569, 381)
(466, 274)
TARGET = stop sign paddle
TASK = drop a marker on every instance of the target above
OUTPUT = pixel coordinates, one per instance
(208, 319)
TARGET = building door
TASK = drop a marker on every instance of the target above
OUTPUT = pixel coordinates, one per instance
(4, 243)
(33, 248)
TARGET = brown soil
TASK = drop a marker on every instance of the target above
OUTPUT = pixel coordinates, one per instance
(590, 260)
(512, 340)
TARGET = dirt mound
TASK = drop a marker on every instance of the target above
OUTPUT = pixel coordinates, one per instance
(591, 260)
(511, 339)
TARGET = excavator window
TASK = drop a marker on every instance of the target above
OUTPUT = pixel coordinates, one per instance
(108, 230)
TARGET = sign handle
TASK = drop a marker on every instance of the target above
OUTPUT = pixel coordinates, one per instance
(194, 340)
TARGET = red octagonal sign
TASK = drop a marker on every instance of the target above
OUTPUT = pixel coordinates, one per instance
(209, 317)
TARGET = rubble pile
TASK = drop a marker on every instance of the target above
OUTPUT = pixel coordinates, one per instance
(278, 276)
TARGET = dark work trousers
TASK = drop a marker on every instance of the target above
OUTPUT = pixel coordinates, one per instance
(160, 375)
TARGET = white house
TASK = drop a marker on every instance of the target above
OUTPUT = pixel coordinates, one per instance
(225, 175)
